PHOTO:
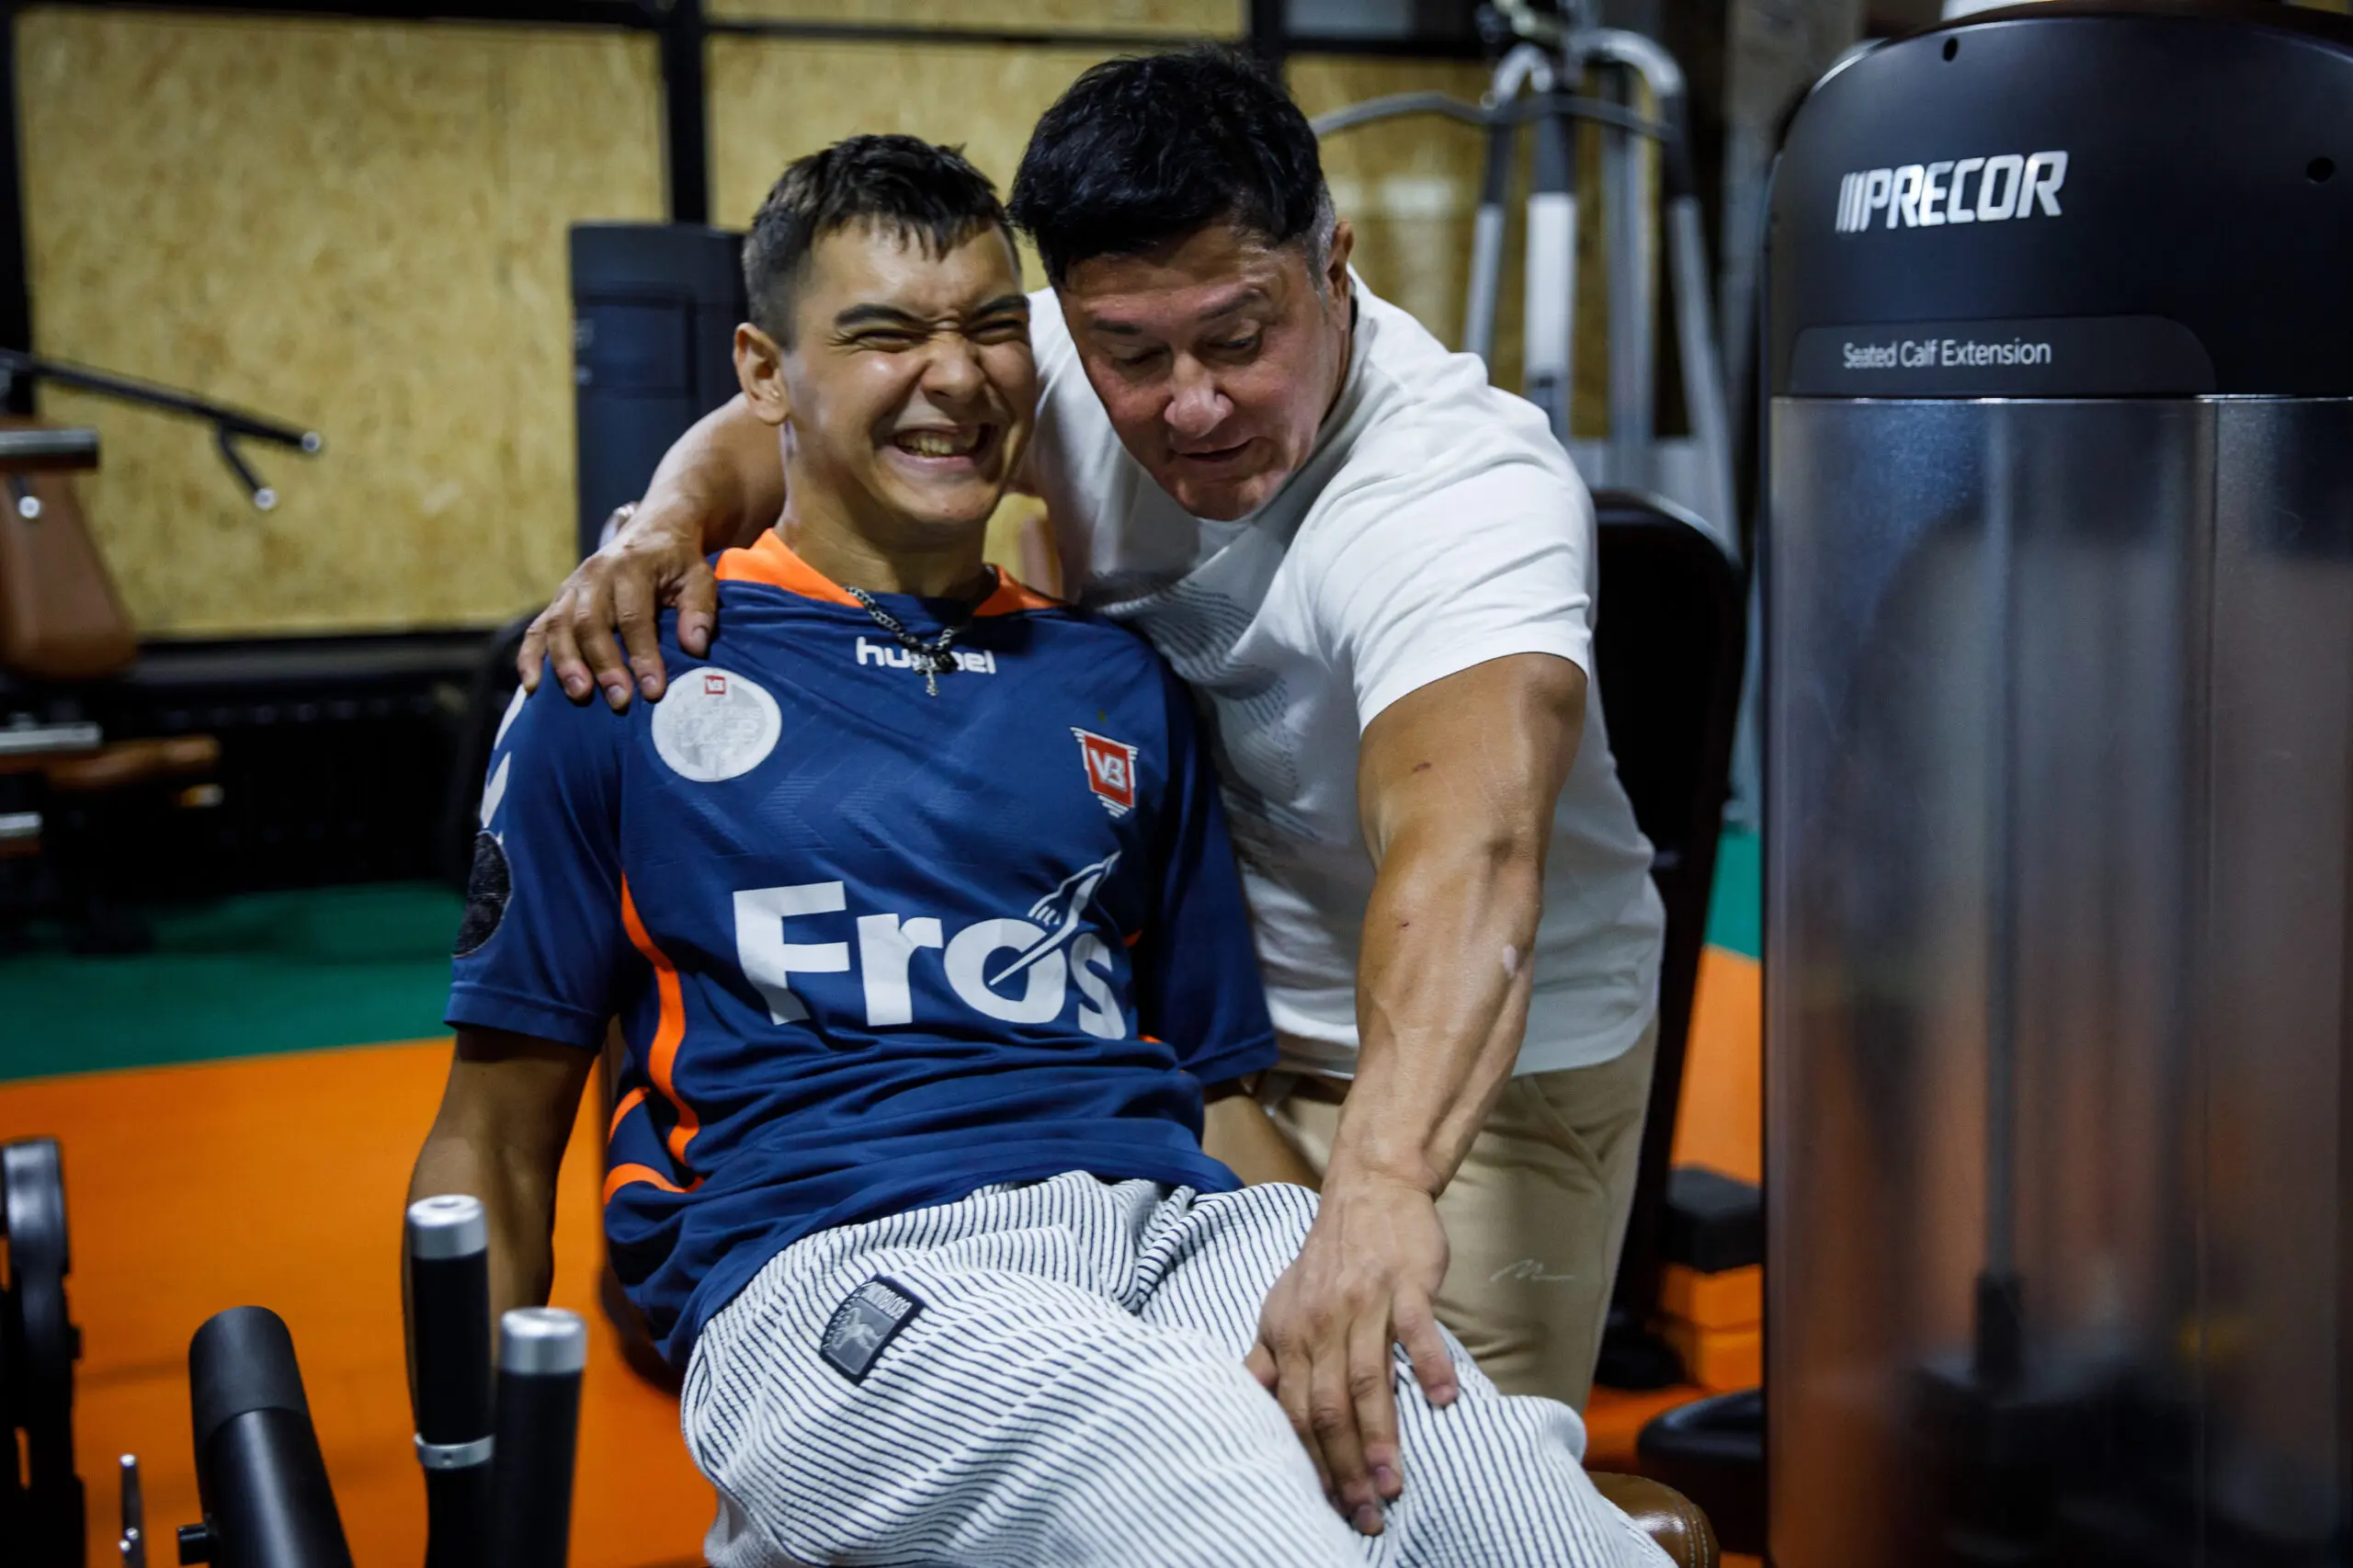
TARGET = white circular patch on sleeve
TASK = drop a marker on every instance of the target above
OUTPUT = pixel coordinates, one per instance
(713, 724)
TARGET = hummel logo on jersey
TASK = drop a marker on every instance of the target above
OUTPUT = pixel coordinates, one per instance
(1110, 771)
(1926, 196)
(980, 662)
(1046, 960)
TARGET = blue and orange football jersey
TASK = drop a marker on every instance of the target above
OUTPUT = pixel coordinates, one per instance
(870, 948)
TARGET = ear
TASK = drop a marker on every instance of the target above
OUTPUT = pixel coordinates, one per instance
(1336, 268)
(759, 371)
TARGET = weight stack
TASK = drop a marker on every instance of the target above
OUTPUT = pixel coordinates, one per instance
(653, 314)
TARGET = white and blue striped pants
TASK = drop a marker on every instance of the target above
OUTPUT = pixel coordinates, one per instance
(1072, 1392)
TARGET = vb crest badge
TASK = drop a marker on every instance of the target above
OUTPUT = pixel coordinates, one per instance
(714, 724)
(1110, 771)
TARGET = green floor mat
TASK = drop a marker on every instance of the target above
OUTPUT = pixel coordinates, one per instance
(1736, 912)
(322, 967)
(243, 976)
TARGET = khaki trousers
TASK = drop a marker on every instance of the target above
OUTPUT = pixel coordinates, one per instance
(1535, 1217)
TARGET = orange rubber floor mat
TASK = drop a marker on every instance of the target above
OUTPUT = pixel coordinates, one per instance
(278, 1181)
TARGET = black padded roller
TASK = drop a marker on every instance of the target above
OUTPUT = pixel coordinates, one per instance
(258, 1471)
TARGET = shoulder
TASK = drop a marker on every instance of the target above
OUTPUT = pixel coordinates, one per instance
(1434, 418)
(547, 742)
(1101, 652)
(1440, 454)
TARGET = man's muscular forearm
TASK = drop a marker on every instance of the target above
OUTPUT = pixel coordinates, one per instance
(1456, 785)
(723, 481)
(1442, 996)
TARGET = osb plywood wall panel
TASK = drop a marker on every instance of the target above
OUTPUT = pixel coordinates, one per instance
(1407, 187)
(1223, 19)
(357, 227)
(1410, 186)
(774, 99)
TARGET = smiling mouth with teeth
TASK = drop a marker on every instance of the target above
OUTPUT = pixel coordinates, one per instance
(940, 443)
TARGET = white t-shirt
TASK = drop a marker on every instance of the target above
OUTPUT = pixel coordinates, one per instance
(1436, 525)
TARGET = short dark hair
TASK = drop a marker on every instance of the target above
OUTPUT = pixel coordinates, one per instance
(902, 183)
(1147, 149)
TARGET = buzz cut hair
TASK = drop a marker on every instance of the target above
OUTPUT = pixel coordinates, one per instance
(916, 190)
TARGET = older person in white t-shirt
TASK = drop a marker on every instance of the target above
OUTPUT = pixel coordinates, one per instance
(1377, 574)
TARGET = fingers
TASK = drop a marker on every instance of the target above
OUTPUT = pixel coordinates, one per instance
(1331, 1415)
(1417, 1329)
(1293, 1372)
(634, 615)
(533, 653)
(1261, 1363)
(1372, 1398)
(563, 650)
(697, 599)
(591, 631)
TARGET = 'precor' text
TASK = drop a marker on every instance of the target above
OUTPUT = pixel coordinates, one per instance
(1952, 190)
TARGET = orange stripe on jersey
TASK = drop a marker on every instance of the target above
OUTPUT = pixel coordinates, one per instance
(621, 1176)
(772, 561)
(1133, 938)
(1012, 596)
(667, 1033)
(629, 1102)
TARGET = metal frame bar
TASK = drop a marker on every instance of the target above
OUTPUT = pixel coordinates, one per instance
(15, 288)
(685, 113)
(917, 32)
(629, 14)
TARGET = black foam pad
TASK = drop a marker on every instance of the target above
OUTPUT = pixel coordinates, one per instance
(242, 1360)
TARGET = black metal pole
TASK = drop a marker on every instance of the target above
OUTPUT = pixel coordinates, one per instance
(1270, 33)
(448, 1303)
(541, 1353)
(690, 120)
(15, 288)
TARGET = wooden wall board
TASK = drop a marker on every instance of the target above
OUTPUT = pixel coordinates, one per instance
(1223, 19)
(774, 99)
(1408, 187)
(360, 227)
(1411, 187)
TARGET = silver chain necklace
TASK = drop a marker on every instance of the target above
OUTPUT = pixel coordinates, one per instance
(933, 658)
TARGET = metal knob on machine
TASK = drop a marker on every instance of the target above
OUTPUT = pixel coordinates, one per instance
(448, 1283)
(541, 1354)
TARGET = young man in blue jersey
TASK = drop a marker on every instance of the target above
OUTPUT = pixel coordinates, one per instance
(916, 907)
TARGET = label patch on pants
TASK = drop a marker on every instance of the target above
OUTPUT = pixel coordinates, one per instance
(864, 1325)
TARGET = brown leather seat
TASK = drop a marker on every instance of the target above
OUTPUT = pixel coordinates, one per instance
(63, 626)
(123, 764)
(60, 616)
(1664, 1515)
